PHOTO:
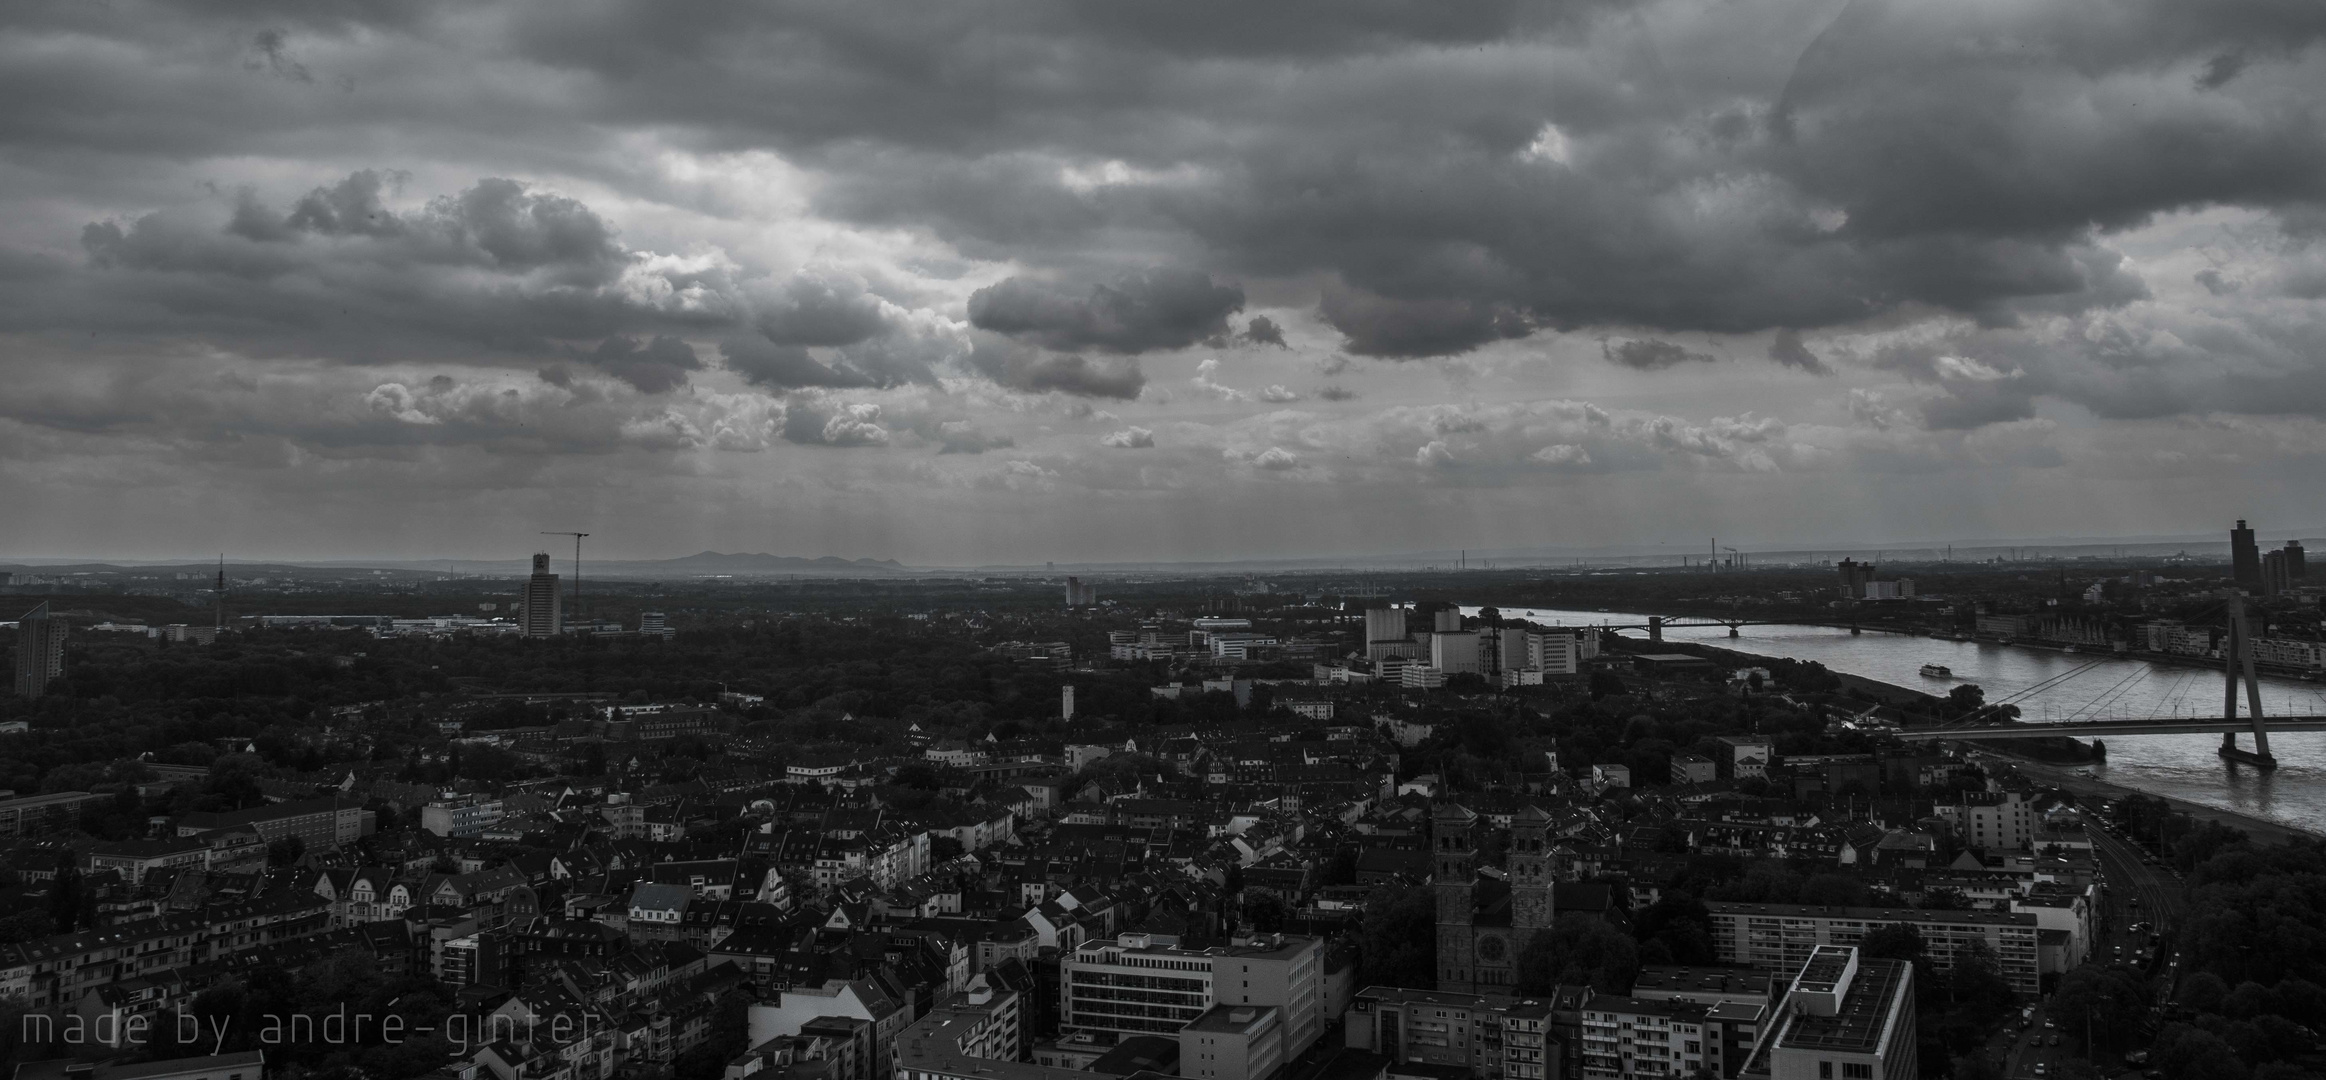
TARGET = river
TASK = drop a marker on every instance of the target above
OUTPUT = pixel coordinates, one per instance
(2180, 766)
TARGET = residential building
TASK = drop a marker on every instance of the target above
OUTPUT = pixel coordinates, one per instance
(40, 651)
(1781, 937)
(1992, 820)
(325, 824)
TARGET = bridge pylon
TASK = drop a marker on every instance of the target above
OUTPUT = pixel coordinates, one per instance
(2238, 650)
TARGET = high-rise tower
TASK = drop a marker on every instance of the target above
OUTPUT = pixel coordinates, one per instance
(1454, 877)
(1529, 863)
(40, 652)
(2244, 558)
(544, 614)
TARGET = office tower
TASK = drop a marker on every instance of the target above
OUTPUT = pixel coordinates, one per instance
(2244, 558)
(1066, 702)
(1079, 594)
(1454, 652)
(544, 613)
(1854, 577)
(1384, 624)
(40, 652)
(2274, 577)
(2297, 562)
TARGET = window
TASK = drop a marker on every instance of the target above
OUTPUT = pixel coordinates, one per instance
(1857, 1070)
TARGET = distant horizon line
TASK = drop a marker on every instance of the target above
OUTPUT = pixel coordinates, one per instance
(1405, 559)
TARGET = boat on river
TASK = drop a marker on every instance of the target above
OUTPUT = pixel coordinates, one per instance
(1937, 671)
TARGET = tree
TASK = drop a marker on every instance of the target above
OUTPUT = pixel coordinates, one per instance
(1680, 925)
(1833, 890)
(1945, 900)
(286, 851)
(1578, 950)
(2186, 1053)
(2204, 992)
(1265, 912)
(1398, 943)
(2111, 999)
(1897, 941)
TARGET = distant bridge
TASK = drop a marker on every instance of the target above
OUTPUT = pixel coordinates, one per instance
(2088, 729)
(2237, 651)
(1657, 624)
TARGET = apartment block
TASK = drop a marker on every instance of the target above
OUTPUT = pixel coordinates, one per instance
(1783, 937)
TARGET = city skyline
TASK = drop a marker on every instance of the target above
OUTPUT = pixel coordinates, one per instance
(1030, 282)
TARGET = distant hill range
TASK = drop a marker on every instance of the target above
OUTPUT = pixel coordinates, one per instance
(701, 564)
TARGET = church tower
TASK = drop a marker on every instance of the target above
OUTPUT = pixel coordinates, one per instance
(1529, 862)
(1454, 880)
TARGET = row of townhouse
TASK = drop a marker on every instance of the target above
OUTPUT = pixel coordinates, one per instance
(57, 971)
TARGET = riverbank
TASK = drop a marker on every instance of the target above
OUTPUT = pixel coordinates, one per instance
(2067, 778)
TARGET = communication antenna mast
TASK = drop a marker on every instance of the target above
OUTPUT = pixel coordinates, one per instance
(577, 539)
(218, 598)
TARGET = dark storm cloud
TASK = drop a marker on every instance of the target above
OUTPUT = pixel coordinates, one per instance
(763, 363)
(272, 57)
(1164, 308)
(1263, 330)
(1786, 348)
(1457, 176)
(821, 309)
(1647, 354)
(655, 367)
(1023, 367)
(497, 270)
(1429, 326)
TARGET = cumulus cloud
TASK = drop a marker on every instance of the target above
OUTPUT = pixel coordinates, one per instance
(816, 421)
(1647, 354)
(1205, 382)
(821, 307)
(1163, 308)
(1034, 370)
(1958, 214)
(766, 364)
(1561, 455)
(1786, 348)
(1130, 438)
(1377, 325)
(1263, 330)
(1276, 459)
(654, 367)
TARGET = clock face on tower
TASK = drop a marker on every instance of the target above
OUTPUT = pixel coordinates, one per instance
(1490, 948)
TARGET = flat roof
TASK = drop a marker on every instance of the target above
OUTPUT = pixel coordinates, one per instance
(1701, 979)
(1856, 1027)
(1224, 1019)
(1872, 914)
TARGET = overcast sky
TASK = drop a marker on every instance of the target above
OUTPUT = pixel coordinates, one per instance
(1012, 281)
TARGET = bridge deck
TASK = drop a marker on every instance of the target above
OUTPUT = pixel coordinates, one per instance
(2105, 728)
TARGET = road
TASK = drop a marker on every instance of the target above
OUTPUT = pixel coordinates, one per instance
(2126, 877)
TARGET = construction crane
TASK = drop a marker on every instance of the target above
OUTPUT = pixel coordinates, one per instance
(577, 539)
